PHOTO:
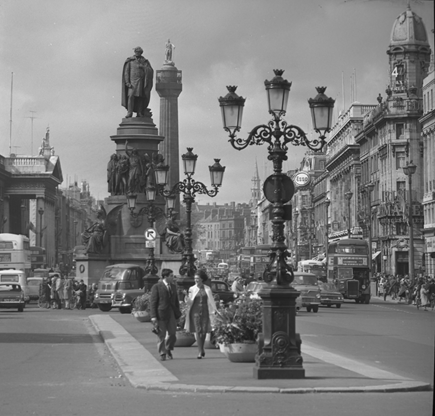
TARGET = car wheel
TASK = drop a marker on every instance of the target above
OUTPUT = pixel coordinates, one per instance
(308, 308)
(328, 306)
(338, 305)
(125, 310)
(315, 309)
(357, 300)
(20, 308)
(104, 307)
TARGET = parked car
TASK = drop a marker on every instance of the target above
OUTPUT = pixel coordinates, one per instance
(253, 288)
(307, 284)
(12, 296)
(330, 295)
(32, 287)
(221, 291)
(119, 286)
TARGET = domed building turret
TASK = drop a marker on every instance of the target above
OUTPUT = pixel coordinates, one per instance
(409, 53)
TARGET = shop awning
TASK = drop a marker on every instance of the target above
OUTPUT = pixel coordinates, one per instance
(376, 254)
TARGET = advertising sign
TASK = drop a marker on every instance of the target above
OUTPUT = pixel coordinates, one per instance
(352, 261)
(301, 179)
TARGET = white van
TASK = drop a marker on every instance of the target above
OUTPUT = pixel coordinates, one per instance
(15, 276)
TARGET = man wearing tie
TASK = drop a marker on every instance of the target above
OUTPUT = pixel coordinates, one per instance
(165, 310)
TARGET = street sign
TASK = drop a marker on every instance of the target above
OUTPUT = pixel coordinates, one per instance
(150, 234)
(150, 244)
(278, 188)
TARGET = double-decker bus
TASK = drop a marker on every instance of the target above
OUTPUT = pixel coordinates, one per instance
(253, 261)
(15, 253)
(348, 268)
(315, 267)
(38, 258)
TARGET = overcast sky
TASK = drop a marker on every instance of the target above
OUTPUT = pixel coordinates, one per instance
(67, 57)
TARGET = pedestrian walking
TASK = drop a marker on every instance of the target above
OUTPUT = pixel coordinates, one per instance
(237, 286)
(82, 292)
(164, 311)
(201, 308)
(68, 292)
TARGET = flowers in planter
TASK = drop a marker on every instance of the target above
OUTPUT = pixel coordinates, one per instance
(239, 322)
(142, 303)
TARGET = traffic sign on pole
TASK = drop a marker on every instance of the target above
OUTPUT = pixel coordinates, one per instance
(150, 234)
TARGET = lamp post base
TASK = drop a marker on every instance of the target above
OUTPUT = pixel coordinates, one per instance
(279, 349)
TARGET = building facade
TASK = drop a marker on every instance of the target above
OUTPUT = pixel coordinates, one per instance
(427, 121)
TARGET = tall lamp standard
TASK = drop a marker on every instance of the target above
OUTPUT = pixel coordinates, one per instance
(41, 213)
(153, 212)
(348, 195)
(369, 187)
(296, 214)
(279, 347)
(327, 203)
(189, 188)
(409, 170)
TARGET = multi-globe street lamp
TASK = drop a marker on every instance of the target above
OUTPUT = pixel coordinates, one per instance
(409, 170)
(189, 188)
(279, 346)
(348, 195)
(327, 202)
(369, 187)
(41, 213)
(153, 213)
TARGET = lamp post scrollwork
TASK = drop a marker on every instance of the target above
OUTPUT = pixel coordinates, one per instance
(189, 188)
(279, 351)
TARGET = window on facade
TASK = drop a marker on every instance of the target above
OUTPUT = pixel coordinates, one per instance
(400, 160)
(401, 228)
(400, 128)
(401, 188)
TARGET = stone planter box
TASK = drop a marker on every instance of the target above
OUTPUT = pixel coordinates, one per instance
(240, 352)
(142, 316)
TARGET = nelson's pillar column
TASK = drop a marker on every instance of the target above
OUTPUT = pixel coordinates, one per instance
(168, 86)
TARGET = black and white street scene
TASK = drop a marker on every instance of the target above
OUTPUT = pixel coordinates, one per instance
(218, 208)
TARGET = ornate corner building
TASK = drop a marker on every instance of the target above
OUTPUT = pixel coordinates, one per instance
(370, 144)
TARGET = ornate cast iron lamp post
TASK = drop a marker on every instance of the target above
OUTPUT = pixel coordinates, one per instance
(153, 212)
(189, 188)
(327, 203)
(279, 346)
(348, 195)
(369, 187)
(409, 170)
(41, 213)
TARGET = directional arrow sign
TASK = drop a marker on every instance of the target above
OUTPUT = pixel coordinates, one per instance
(150, 234)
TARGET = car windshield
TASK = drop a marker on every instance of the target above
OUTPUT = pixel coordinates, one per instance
(35, 282)
(305, 280)
(9, 278)
(330, 287)
(113, 273)
(254, 287)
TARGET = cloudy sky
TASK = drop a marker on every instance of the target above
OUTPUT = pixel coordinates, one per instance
(67, 56)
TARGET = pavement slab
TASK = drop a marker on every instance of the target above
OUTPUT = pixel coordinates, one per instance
(133, 346)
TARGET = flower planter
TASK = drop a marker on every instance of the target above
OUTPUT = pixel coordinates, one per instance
(240, 353)
(184, 339)
(142, 316)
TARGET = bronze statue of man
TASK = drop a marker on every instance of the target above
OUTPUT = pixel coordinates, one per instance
(137, 82)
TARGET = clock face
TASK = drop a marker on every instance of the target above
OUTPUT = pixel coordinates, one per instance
(398, 77)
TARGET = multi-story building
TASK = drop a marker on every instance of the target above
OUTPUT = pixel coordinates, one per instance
(390, 138)
(427, 121)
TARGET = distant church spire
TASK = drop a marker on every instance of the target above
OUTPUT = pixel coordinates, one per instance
(256, 186)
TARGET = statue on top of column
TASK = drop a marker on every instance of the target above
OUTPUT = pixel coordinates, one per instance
(137, 82)
(168, 52)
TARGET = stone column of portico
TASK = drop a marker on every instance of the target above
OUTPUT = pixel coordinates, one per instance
(169, 87)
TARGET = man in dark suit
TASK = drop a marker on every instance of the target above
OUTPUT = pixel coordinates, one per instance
(164, 311)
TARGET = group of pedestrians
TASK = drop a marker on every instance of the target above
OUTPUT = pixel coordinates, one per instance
(420, 292)
(58, 292)
(165, 310)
